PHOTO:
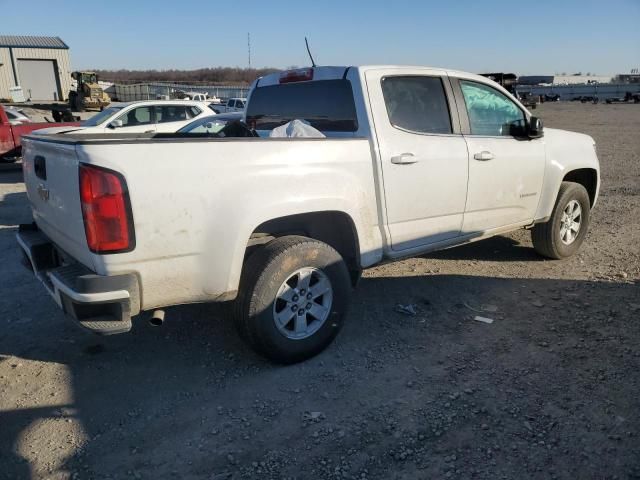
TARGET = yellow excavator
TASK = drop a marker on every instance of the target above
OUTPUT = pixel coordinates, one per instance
(88, 94)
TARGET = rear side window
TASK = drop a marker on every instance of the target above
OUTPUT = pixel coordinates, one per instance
(417, 104)
(327, 105)
(172, 113)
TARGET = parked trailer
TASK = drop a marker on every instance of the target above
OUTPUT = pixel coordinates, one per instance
(578, 92)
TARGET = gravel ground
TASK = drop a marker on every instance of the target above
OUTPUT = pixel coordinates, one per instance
(548, 390)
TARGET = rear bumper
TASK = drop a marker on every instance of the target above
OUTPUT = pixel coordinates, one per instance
(103, 304)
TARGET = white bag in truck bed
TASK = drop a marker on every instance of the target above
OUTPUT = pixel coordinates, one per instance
(296, 128)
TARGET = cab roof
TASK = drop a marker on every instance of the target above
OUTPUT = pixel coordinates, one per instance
(337, 72)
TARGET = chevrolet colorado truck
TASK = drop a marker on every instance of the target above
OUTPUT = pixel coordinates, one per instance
(12, 131)
(412, 160)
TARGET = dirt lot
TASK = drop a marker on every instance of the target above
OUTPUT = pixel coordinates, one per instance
(549, 390)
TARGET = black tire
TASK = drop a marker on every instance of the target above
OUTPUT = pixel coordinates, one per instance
(264, 273)
(546, 236)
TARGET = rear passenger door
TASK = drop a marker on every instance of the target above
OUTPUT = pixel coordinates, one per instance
(423, 154)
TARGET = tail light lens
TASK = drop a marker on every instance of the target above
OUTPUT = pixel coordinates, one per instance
(108, 223)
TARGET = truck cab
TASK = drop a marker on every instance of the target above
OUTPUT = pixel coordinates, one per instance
(235, 105)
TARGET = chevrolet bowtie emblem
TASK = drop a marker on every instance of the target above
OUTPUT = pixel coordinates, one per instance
(43, 192)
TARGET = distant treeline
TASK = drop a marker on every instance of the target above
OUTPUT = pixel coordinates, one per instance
(219, 75)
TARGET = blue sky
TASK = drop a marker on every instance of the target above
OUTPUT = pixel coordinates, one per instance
(493, 35)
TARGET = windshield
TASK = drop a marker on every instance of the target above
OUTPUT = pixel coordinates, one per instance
(208, 125)
(100, 117)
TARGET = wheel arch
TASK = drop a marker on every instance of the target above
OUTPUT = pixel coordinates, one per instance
(333, 227)
(588, 178)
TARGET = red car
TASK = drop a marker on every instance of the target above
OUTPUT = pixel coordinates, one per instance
(10, 148)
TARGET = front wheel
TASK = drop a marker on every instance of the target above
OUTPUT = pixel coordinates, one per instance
(562, 235)
(294, 292)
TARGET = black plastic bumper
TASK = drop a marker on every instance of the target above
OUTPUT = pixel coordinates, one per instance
(103, 304)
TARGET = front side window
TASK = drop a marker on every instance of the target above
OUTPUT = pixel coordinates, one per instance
(417, 104)
(137, 116)
(490, 112)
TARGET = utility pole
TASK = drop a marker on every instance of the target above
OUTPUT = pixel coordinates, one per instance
(249, 47)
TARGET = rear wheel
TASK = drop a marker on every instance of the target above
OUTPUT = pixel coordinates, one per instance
(293, 295)
(562, 235)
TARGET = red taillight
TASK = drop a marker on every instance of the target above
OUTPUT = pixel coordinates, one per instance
(105, 210)
(300, 75)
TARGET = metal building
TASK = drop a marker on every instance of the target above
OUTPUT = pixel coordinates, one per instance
(40, 65)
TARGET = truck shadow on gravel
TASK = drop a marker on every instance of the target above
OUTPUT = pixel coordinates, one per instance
(498, 248)
(10, 173)
(549, 388)
(14, 206)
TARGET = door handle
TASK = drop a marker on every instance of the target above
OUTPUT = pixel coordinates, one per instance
(483, 156)
(149, 131)
(404, 159)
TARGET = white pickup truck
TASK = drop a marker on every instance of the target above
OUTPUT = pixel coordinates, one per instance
(414, 160)
(232, 105)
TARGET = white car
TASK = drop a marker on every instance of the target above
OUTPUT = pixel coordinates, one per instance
(406, 160)
(161, 116)
(211, 125)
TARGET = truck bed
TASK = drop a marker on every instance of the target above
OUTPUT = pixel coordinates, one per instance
(182, 190)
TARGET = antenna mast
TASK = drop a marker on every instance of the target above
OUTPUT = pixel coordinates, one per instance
(249, 47)
(313, 63)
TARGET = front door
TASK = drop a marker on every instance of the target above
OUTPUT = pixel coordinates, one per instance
(505, 168)
(424, 156)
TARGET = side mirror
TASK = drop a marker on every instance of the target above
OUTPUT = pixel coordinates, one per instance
(115, 124)
(535, 129)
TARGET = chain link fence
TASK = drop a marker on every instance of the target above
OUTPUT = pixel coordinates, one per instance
(166, 91)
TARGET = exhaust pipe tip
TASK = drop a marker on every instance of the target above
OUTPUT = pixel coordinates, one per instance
(157, 318)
